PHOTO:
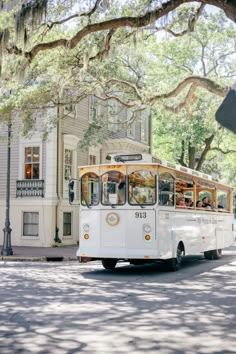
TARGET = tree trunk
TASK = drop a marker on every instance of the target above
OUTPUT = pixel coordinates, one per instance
(207, 147)
(191, 156)
(181, 159)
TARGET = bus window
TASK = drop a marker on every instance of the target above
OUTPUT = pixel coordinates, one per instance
(166, 189)
(222, 200)
(205, 198)
(142, 188)
(113, 188)
(184, 192)
(89, 189)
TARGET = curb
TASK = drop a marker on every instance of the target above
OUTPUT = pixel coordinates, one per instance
(37, 259)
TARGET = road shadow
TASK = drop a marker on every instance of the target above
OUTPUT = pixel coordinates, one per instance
(64, 308)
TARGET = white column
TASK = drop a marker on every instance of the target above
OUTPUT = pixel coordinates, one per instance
(51, 166)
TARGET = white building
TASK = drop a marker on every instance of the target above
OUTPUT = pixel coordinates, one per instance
(40, 169)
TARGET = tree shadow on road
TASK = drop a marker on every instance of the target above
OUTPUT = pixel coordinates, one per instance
(65, 308)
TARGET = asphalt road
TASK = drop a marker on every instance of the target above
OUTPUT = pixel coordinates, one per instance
(71, 308)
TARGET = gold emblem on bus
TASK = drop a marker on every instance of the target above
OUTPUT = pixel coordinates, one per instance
(112, 219)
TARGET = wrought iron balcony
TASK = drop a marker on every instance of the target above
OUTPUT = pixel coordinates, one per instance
(30, 188)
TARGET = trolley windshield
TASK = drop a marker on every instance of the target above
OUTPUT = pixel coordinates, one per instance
(113, 188)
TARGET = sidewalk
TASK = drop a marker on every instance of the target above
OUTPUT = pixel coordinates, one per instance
(41, 254)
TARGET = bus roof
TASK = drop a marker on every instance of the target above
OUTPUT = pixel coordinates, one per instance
(147, 159)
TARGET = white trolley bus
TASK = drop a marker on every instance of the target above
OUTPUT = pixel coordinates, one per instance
(140, 209)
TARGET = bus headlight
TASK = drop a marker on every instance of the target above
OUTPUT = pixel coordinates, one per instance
(147, 237)
(86, 227)
(147, 228)
(86, 236)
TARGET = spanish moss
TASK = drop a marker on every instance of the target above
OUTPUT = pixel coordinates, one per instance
(30, 17)
(4, 38)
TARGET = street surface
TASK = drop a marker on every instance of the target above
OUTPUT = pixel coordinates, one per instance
(71, 308)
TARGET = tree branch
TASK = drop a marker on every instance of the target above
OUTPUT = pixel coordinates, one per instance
(190, 98)
(126, 84)
(225, 152)
(106, 47)
(198, 81)
(134, 22)
(191, 24)
(115, 98)
(83, 14)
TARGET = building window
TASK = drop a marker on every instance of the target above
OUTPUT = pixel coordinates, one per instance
(113, 121)
(131, 124)
(69, 109)
(67, 224)
(131, 130)
(68, 162)
(30, 224)
(92, 159)
(32, 164)
(144, 126)
(93, 109)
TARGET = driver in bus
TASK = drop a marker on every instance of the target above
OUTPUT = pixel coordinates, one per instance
(121, 190)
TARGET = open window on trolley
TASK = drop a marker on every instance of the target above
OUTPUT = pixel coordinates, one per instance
(142, 187)
(205, 196)
(185, 196)
(212, 198)
(222, 200)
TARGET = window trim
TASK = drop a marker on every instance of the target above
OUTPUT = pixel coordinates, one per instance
(30, 236)
(71, 224)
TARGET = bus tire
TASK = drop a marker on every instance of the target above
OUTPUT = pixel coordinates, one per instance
(174, 264)
(214, 254)
(217, 253)
(208, 255)
(109, 263)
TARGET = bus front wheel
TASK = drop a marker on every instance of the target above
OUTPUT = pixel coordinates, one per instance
(174, 264)
(109, 263)
(214, 254)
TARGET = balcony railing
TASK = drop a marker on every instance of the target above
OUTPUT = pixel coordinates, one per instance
(30, 188)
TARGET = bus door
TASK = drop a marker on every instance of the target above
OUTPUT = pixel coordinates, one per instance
(141, 214)
(113, 201)
(113, 228)
(90, 211)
